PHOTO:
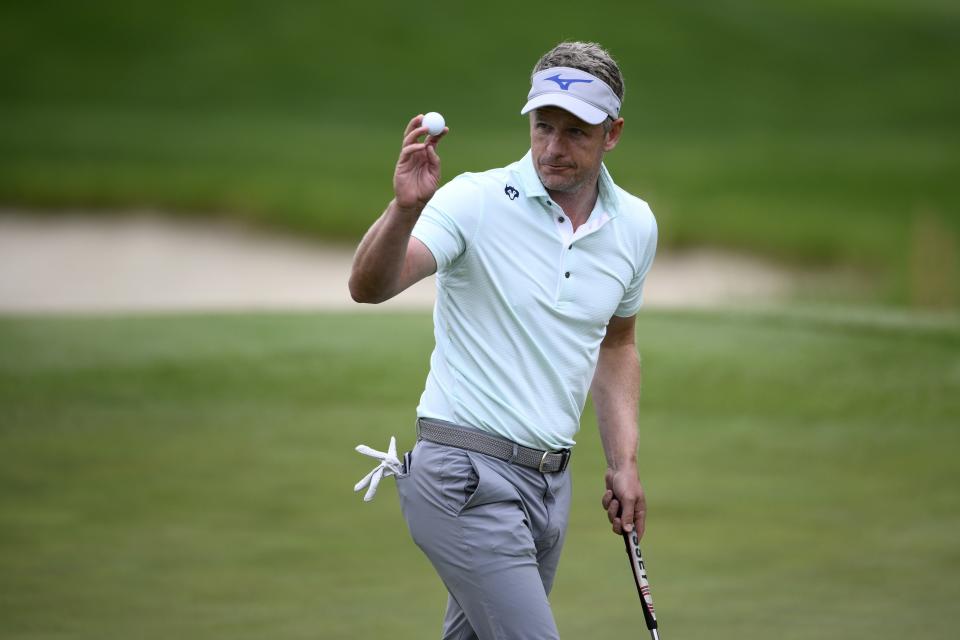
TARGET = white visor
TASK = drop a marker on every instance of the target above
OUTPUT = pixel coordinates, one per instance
(585, 96)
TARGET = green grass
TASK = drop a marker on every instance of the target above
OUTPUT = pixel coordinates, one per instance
(190, 477)
(806, 130)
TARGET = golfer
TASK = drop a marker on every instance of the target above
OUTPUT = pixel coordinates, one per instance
(540, 269)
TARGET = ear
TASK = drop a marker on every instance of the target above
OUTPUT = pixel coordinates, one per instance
(613, 136)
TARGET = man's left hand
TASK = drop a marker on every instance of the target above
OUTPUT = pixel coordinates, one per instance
(624, 501)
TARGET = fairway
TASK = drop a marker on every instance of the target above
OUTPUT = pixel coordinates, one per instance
(190, 477)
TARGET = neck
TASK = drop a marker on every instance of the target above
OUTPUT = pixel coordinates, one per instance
(578, 204)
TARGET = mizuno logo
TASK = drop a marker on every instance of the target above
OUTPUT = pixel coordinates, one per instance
(564, 83)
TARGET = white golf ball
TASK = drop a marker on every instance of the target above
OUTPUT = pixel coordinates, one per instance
(434, 123)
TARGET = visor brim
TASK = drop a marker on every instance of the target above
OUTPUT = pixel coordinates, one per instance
(583, 110)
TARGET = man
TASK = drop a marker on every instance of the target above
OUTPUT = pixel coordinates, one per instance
(540, 268)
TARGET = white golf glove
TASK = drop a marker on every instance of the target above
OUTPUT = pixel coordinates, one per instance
(389, 466)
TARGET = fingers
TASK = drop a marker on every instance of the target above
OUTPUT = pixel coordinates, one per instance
(412, 148)
(410, 144)
(626, 517)
(365, 480)
(612, 506)
(414, 136)
(411, 136)
(409, 153)
(415, 129)
(615, 521)
(634, 516)
(627, 513)
(413, 124)
(640, 519)
(432, 154)
(434, 140)
(369, 451)
(607, 497)
(374, 483)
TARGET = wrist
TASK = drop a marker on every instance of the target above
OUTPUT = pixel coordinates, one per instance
(406, 210)
(625, 464)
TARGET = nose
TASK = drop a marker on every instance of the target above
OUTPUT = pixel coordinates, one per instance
(555, 145)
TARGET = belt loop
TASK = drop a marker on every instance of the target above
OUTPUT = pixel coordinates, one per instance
(515, 453)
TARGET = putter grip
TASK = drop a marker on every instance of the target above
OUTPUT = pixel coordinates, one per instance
(632, 544)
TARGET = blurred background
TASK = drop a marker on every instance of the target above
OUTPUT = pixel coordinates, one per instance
(167, 467)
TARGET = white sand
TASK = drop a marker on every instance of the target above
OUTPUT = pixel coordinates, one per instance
(81, 262)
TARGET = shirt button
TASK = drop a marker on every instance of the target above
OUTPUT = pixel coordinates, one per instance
(560, 219)
(570, 247)
(566, 275)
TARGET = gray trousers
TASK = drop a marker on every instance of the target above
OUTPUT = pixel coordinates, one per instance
(493, 532)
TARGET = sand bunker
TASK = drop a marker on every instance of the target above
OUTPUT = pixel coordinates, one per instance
(82, 262)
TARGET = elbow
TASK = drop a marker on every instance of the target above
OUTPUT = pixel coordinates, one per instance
(361, 296)
(364, 295)
(357, 297)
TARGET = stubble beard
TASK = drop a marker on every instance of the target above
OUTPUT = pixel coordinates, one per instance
(570, 185)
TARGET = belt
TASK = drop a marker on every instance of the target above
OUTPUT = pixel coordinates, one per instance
(452, 435)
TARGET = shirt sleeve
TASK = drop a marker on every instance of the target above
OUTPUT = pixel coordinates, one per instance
(449, 222)
(633, 297)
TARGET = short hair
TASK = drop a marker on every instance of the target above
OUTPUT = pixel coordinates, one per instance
(585, 56)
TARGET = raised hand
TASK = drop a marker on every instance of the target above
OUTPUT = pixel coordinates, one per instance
(417, 175)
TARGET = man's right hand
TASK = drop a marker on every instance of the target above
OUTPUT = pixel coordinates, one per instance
(388, 259)
(417, 175)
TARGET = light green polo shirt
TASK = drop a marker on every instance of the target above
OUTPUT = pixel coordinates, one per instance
(523, 302)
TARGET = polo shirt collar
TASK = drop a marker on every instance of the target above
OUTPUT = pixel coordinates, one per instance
(533, 188)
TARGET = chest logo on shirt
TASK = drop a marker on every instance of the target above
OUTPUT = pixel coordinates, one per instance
(512, 193)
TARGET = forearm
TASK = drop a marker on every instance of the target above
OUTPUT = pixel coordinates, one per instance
(616, 391)
(379, 261)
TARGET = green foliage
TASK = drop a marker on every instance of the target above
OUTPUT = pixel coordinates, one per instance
(809, 131)
(191, 477)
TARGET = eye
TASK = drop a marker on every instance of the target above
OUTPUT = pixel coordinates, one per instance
(577, 132)
(543, 126)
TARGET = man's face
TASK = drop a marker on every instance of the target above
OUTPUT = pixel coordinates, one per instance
(567, 152)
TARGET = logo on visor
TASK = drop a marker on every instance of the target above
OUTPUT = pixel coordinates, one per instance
(564, 83)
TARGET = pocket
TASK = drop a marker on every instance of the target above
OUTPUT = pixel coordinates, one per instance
(489, 486)
(402, 480)
(459, 479)
(406, 466)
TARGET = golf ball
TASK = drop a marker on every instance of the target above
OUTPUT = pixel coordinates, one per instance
(434, 123)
